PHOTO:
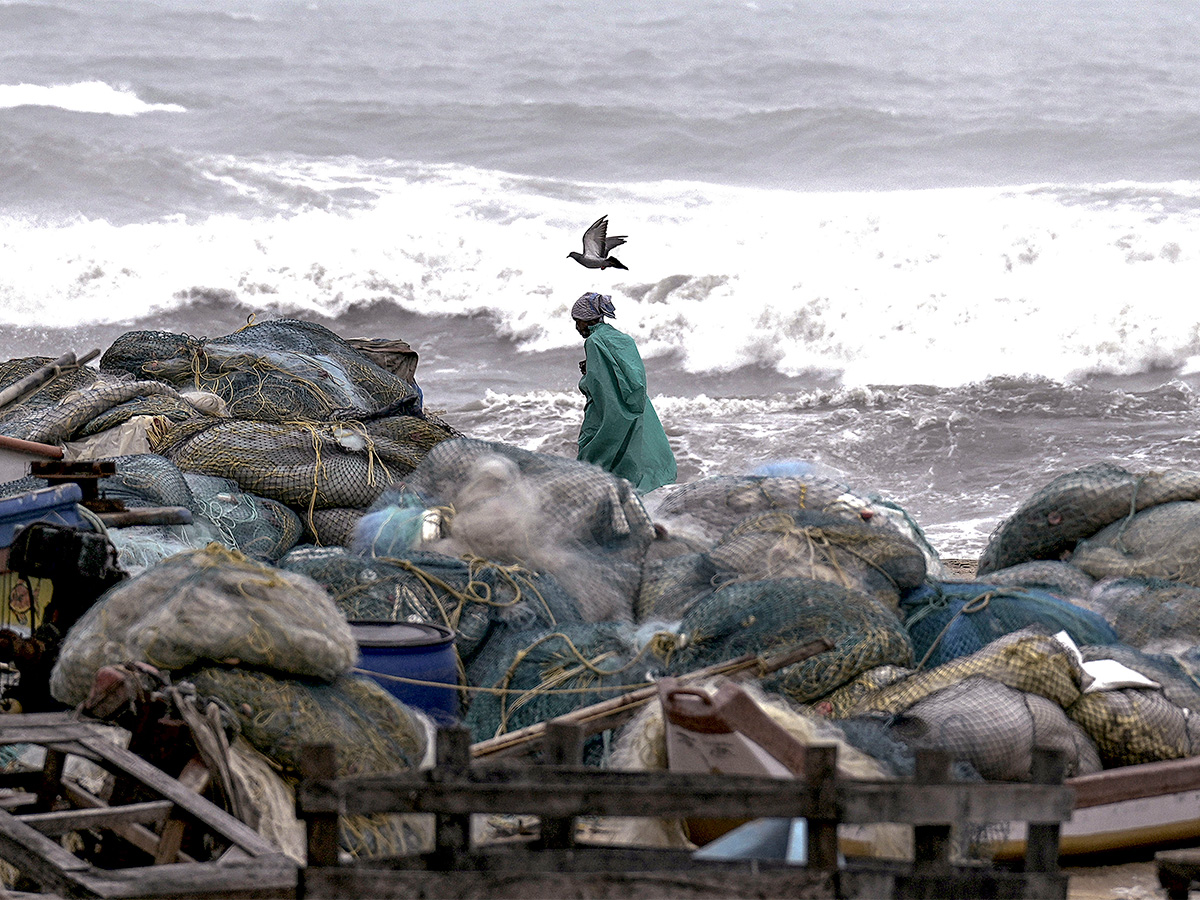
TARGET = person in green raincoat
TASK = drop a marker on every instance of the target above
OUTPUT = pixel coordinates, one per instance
(621, 431)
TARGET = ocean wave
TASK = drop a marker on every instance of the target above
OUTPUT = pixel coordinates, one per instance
(940, 287)
(84, 97)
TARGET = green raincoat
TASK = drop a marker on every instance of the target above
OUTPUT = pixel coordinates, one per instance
(621, 431)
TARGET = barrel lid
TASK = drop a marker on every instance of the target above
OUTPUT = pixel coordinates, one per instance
(400, 634)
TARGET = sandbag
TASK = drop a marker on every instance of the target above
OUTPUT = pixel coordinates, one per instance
(202, 606)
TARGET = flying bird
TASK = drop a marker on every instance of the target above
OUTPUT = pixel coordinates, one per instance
(596, 247)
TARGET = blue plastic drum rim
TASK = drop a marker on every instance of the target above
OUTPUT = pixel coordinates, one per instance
(400, 635)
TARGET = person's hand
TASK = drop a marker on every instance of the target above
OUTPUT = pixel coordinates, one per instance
(583, 367)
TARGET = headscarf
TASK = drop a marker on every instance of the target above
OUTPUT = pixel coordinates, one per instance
(593, 306)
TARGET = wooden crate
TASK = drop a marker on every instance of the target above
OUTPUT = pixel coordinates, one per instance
(556, 863)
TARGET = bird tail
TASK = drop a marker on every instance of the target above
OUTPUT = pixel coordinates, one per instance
(616, 263)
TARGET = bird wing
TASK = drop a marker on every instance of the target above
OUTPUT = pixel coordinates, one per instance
(611, 243)
(594, 238)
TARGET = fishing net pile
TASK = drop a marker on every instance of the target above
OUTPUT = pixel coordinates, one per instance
(523, 676)
(1162, 541)
(371, 732)
(287, 409)
(573, 520)
(777, 616)
(470, 596)
(279, 371)
(705, 510)
(877, 563)
(210, 605)
(1077, 505)
(1059, 578)
(947, 620)
(1151, 614)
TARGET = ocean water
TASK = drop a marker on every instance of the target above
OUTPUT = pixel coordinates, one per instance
(949, 249)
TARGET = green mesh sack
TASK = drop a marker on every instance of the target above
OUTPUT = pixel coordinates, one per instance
(207, 605)
(526, 676)
(1151, 614)
(258, 527)
(1075, 506)
(307, 466)
(279, 371)
(466, 597)
(45, 395)
(165, 405)
(1057, 577)
(773, 617)
(1028, 660)
(372, 732)
(671, 586)
(1160, 542)
(823, 547)
(70, 417)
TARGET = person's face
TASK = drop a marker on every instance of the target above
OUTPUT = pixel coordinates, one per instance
(582, 327)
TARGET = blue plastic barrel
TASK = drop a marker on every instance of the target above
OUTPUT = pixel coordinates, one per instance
(398, 654)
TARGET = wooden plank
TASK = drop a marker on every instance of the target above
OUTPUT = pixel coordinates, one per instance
(563, 792)
(820, 772)
(211, 815)
(68, 820)
(320, 762)
(931, 842)
(50, 733)
(138, 835)
(577, 792)
(38, 857)
(36, 379)
(1151, 779)
(452, 830)
(562, 745)
(865, 802)
(195, 777)
(726, 883)
(1042, 840)
(265, 877)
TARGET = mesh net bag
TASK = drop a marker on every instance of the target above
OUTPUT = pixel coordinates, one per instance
(670, 587)
(707, 508)
(332, 527)
(466, 596)
(1075, 506)
(822, 547)
(159, 404)
(573, 520)
(995, 729)
(283, 370)
(46, 395)
(948, 621)
(147, 479)
(1132, 726)
(71, 416)
(1059, 578)
(211, 604)
(304, 465)
(770, 617)
(372, 731)
(1160, 542)
(526, 676)
(141, 547)
(1151, 614)
(1027, 660)
(839, 703)
(257, 527)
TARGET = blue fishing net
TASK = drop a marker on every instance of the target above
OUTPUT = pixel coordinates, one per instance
(948, 620)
